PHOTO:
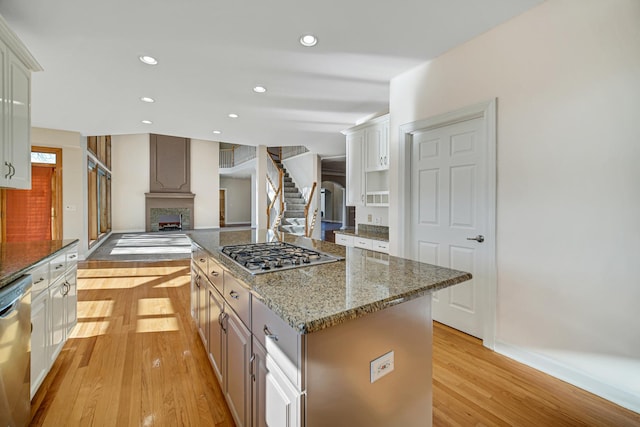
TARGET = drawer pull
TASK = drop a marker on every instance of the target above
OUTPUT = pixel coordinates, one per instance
(59, 266)
(214, 273)
(234, 295)
(39, 280)
(72, 256)
(268, 333)
(201, 259)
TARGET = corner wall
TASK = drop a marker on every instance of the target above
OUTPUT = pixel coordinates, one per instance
(129, 182)
(566, 76)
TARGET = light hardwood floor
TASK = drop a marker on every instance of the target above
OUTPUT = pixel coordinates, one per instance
(135, 359)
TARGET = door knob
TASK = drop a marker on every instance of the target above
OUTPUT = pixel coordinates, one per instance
(479, 238)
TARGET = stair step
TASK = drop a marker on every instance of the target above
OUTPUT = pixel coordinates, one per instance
(295, 206)
(293, 214)
(292, 195)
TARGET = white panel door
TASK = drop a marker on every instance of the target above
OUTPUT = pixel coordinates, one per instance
(449, 206)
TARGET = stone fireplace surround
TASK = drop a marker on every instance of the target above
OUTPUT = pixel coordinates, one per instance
(169, 204)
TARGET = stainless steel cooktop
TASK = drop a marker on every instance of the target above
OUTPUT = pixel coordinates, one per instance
(258, 258)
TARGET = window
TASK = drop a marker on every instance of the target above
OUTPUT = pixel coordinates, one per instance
(99, 187)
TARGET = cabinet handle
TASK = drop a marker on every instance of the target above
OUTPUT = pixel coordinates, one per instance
(8, 173)
(251, 370)
(38, 281)
(72, 256)
(220, 318)
(201, 259)
(268, 333)
(198, 280)
(381, 160)
(214, 273)
(234, 295)
(59, 267)
(13, 169)
(224, 317)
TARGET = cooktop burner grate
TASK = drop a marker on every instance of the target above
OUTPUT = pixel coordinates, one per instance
(258, 258)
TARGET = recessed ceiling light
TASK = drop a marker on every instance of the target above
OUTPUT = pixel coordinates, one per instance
(308, 40)
(147, 99)
(217, 132)
(149, 60)
(233, 115)
(259, 89)
(147, 122)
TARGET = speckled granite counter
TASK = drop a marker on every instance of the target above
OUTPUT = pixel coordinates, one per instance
(17, 257)
(316, 297)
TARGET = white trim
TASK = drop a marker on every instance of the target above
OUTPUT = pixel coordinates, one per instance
(486, 111)
(569, 374)
(225, 206)
(18, 48)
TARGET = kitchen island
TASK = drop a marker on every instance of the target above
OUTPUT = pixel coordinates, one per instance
(341, 343)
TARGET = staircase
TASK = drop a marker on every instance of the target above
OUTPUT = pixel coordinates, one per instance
(293, 219)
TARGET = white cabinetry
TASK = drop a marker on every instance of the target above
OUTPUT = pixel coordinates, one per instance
(362, 243)
(215, 311)
(344, 240)
(238, 382)
(54, 310)
(355, 171)
(16, 64)
(377, 145)
(368, 163)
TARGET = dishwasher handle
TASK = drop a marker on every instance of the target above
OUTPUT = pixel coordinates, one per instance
(11, 294)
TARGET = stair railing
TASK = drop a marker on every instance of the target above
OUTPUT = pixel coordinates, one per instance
(306, 211)
(313, 223)
(274, 173)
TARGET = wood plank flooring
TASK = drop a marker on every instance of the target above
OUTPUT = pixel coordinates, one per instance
(135, 359)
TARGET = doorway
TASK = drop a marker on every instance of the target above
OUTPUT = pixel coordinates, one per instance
(450, 211)
(223, 206)
(36, 214)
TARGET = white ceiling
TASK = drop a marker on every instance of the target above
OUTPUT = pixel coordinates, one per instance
(212, 53)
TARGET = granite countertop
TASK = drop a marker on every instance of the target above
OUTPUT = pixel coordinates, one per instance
(17, 257)
(316, 297)
(365, 234)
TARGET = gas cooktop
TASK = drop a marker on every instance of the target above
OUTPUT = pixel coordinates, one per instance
(258, 258)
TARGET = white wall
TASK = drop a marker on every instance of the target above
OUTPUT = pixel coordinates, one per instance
(567, 78)
(372, 215)
(336, 204)
(306, 169)
(74, 214)
(129, 181)
(205, 183)
(238, 198)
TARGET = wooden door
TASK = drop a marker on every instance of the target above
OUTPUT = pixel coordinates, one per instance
(449, 207)
(223, 207)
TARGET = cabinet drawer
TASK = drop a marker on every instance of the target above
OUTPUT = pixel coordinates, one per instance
(359, 242)
(380, 246)
(344, 240)
(215, 275)
(238, 297)
(57, 266)
(40, 278)
(72, 256)
(199, 257)
(280, 339)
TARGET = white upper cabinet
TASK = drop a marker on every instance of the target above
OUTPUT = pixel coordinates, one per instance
(355, 172)
(16, 65)
(377, 146)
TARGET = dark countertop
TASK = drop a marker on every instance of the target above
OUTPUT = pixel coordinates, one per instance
(317, 297)
(17, 257)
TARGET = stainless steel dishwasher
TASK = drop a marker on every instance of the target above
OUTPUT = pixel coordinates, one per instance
(15, 349)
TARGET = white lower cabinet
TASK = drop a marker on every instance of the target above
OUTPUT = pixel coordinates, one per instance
(362, 243)
(39, 341)
(238, 381)
(54, 310)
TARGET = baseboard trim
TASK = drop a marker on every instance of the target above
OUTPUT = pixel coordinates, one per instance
(578, 378)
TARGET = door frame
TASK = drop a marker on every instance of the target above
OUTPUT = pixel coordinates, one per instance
(56, 196)
(487, 111)
(225, 207)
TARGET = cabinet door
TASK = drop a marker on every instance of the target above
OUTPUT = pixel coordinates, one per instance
(4, 131)
(39, 341)
(58, 322)
(71, 300)
(19, 143)
(355, 172)
(238, 381)
(282, 400)
(384, 146)
(373, 140)
(259, 391)
(215, 339)
(194, 293)
(202, 308)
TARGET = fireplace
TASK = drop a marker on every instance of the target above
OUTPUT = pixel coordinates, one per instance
(169, 211)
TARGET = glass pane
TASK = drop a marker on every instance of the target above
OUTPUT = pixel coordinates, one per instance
(48, 158)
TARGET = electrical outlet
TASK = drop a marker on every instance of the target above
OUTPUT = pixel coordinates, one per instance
(382, 366)
(71, 208)
(378, 220)
(369, 218)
